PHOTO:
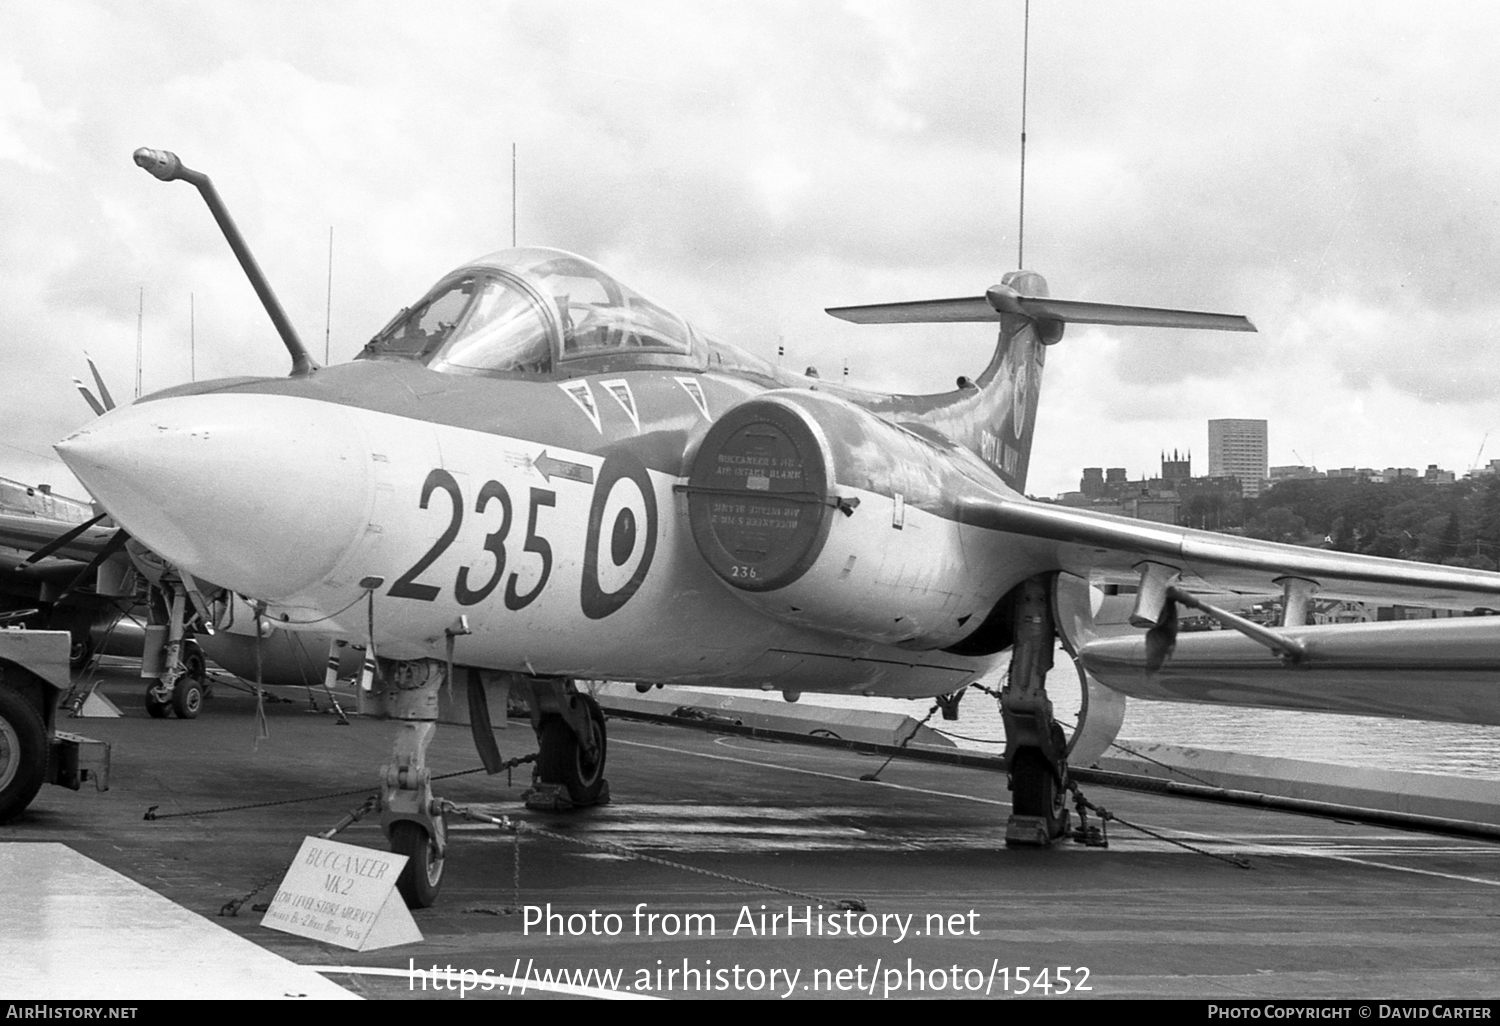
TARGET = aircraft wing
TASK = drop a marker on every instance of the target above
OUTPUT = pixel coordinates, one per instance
(29, 533)
(1109, 549)
(1443, 670)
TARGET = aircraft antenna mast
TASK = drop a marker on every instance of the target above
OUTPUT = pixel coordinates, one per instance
(1025, 60)
(192, 341)
(140, 316)
(328, 309)
(513, 195)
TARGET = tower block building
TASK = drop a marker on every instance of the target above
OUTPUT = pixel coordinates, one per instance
(1237, 449)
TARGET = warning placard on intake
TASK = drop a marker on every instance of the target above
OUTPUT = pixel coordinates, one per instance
(343, 895)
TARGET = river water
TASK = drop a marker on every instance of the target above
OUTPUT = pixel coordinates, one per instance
(1446, 748)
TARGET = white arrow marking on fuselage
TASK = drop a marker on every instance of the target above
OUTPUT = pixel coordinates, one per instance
(694, 388)
(581, 394)
(620, 389)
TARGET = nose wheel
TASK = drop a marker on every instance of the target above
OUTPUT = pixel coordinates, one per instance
(185, 698)
(422, 876)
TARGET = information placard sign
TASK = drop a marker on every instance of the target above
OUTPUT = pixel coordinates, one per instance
(344, 895)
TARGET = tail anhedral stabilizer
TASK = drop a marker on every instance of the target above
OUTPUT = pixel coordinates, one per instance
(995, 417)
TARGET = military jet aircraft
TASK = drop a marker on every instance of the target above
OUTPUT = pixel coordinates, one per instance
(49, 544)
(536, 475)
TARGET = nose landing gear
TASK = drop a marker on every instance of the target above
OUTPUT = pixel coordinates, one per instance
(411, 817)
(570, 729)
(185, 694)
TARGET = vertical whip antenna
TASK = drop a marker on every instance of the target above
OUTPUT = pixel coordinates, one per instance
(140, 317)
(1025, 59)
(328, 311)
(512, 195)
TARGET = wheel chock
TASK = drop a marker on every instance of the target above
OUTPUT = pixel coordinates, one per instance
(1031, 831)
(543, 797)
(98, 706)
(1027, 832)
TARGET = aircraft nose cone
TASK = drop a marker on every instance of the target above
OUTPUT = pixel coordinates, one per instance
(263, 494)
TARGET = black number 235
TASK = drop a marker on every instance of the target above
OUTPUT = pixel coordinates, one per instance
(493, 494)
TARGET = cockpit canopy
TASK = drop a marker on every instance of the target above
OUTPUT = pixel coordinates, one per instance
(537, 312)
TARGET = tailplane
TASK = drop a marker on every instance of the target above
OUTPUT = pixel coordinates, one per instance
(995, 415)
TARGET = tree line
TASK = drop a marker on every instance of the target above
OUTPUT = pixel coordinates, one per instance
(1455, 524)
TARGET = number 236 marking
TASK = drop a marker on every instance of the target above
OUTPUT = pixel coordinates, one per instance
(464, 589)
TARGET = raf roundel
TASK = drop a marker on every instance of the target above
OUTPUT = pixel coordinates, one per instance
(621, 536)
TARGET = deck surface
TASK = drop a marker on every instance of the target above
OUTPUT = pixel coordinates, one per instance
(1327, 909)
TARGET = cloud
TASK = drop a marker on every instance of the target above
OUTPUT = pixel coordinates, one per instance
(1323, 168)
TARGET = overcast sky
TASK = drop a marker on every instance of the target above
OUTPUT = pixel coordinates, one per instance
(1330, 170)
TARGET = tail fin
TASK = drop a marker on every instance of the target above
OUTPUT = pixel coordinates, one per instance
(995, 416)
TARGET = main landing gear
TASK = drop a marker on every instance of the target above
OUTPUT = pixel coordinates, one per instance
(570, 732)
(1035, 749)
(573, 744)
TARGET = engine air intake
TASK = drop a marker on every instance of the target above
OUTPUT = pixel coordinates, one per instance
(758, 496)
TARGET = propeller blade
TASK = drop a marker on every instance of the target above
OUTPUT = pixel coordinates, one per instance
(88, 397)
(63, 539)
(109, 402)
(115, 544)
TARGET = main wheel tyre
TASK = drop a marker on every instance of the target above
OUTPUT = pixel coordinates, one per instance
(23, 753)
(562, 759)
(422, 875)
(1034, 790)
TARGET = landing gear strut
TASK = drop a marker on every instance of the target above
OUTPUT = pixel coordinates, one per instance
(409, 814)
(1035, 749)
